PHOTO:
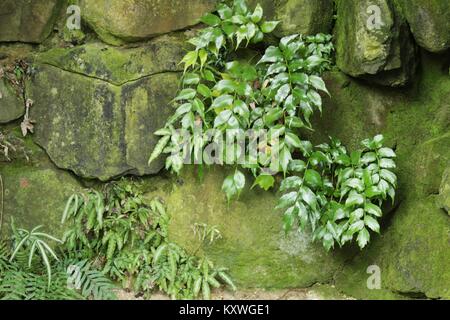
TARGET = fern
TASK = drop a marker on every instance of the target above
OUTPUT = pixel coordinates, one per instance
(91, 282)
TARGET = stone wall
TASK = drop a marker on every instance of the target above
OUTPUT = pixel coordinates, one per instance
(100, 92)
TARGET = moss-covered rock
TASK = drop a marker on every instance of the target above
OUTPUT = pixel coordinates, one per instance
(307, 17)
(96, 106)
(412, 251)
(120, 21)
(27, 21)
(119, 65)
(373, 41)
(36, 196)
(444, 192)
(12, 106)
(253, 246)
(430, 22)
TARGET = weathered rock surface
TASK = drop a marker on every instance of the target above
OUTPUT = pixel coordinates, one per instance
(412, 251)
(120, 21)
(430, 22)
(27, 21)
(96, 106)
(307, 17)
(254, 246)
(12, 107)
(444, 191)
(373, 41)
(36, 196)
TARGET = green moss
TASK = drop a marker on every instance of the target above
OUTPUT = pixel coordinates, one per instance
(119, 21)
(413, 248)
(430, 22)
(82, 122)
(307, 17)
(119, 65)
(12, 106)
(27, 21)
(254, 247)
(36, 196)
(384, 55)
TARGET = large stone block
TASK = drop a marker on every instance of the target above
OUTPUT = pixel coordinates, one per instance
(26, 20)
(307, 17)
(96, 107)
(12, 106)
(430, 22)
(373, 41)
(120, 21)
(253, 246)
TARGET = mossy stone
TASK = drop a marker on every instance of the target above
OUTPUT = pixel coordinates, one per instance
(119, 21)
(97, 129)
(430, 22)
(307, 17)
(36, 196)
(97, 106)
(12, 106)
(381, 49)
(412, 251)
(27, 21)
(119, 65)
(253, 246)
(444, 191)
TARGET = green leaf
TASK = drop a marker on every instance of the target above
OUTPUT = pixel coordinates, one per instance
(387, 164)
(186, 94)
(269, 26)
(264, 181)
(293, 182)
(372, 209)
(222, 101)
(389, 176)
(369, 157)
(272, 54)
(287, 200)
(227, 86)
(204, 90)
(354, 199)
(162, 143)
(386, 153)
(272, 116)
(313, 61)
(372, 192)
(285, 158)
(309, 197)
(289, 218)
(356, 227)
(318, 83)
(191, 78)
(224, 11)
(313, 178)
(297, 166)
(372, 224)
(190, 59)
(282, 93)
(229, 187)
(378, 140)
(355, 184)
(211, 20)
(299, 78)
(292, 140)
(222, 118)
(257, 14)
(355, 157)
(363, 238)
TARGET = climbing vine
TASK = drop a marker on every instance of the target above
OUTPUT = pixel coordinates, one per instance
(261, 104)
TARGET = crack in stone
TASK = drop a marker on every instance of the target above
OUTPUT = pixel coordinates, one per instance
(115, 84)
